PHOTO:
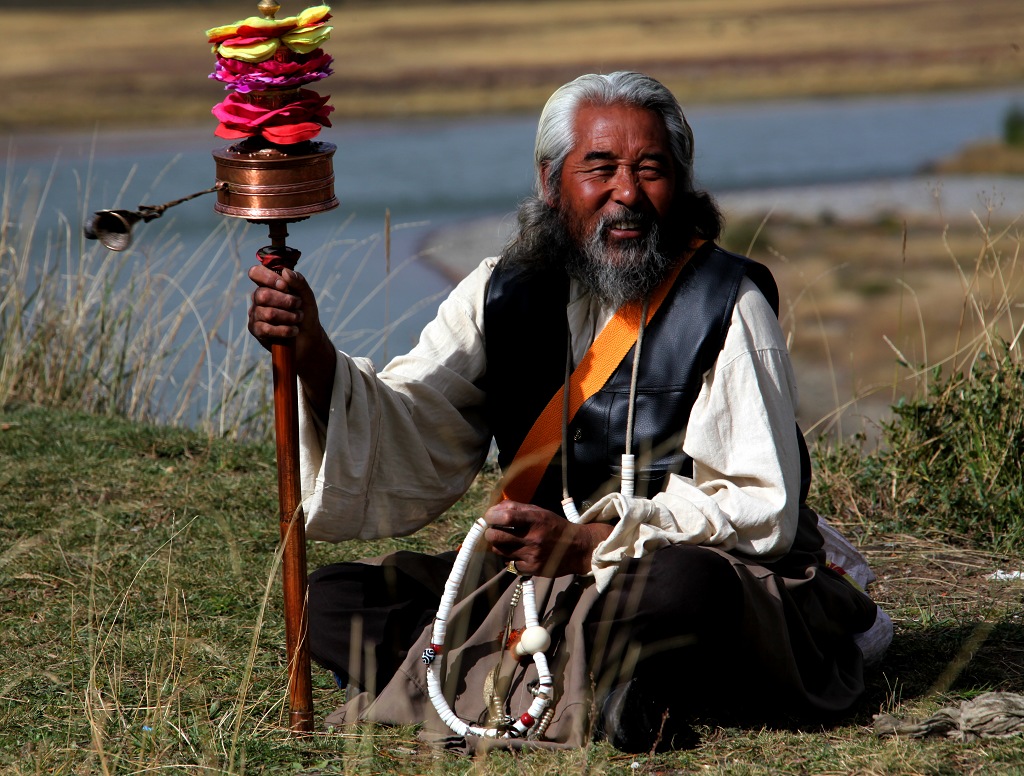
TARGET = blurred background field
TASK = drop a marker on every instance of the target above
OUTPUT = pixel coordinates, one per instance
(434, 108)
(120, 63)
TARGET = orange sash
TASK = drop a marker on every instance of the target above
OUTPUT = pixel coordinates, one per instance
(606, 352)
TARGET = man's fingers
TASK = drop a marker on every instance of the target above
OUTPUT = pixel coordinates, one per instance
(288, 280)
(265, 331)
(266, 319)
(267, 278)
(283, 306)
(271, 298)
(502, 542)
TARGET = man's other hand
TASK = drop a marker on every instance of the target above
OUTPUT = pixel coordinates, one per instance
(540, 542)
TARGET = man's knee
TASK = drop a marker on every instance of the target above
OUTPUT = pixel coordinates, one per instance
(677, 585)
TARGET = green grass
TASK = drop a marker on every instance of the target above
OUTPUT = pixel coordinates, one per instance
(134, 573)
(138, 634)
(952, 458)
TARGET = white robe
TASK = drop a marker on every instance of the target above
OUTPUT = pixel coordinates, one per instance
(403, 445)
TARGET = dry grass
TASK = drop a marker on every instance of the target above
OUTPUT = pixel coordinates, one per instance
(85, 328)
(860, 297)
(146, 63)
(982, 158)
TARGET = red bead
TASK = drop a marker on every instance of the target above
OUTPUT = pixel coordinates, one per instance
(438, 648)
(526, 719)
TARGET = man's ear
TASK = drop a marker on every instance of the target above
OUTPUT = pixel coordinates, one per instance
(545, 185)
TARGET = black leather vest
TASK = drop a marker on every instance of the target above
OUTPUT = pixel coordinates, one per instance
(526, 338)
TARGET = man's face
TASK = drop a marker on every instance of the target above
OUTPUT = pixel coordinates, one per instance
(618, 181)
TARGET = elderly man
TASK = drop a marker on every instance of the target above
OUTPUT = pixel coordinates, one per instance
(694, 580)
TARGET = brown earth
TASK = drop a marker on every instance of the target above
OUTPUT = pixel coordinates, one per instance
(981, 158)
(116, 64)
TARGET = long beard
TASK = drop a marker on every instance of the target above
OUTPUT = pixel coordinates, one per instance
(624, 271)
(615, 274)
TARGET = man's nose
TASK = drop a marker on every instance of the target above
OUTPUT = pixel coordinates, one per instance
(626, 190)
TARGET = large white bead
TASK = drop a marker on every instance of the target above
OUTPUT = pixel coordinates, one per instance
(534, 639)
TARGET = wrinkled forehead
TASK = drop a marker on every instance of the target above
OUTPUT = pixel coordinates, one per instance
(619, 127)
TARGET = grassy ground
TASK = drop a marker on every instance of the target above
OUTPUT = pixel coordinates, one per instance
(138, 632)
(110, 65)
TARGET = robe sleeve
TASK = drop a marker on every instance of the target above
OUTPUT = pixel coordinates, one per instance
(400, 447)
(745, 487)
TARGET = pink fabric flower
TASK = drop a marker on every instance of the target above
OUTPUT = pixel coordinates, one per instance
(247, 77)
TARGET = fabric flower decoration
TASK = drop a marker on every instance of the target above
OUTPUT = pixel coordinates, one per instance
(249, 77)
(256, 39)
(295, 122)
(258, 56)
(257, 25)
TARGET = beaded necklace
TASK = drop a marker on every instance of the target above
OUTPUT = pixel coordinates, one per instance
(534, 639)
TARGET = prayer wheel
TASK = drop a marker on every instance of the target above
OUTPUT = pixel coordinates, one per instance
(276, 185)
(264, 182)
(277, 173)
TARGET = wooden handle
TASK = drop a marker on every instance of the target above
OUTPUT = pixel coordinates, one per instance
(293, 534)
(278, 256)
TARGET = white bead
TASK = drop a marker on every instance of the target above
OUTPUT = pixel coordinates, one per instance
(628, 482)
(534, 639)
(569, 509)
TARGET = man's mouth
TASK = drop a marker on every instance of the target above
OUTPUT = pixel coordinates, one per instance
(626, 229)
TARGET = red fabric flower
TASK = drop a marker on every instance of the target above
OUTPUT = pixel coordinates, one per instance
(295, 122)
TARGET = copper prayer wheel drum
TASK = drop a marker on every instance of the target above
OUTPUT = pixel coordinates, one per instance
(264, 183)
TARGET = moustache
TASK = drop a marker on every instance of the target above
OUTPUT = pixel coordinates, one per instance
(625, 218)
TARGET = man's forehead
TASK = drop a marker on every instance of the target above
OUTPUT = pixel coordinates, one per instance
(599, 129)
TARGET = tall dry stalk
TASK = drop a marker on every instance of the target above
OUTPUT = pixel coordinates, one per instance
(87, 329)
(949, 462)
(151, 334)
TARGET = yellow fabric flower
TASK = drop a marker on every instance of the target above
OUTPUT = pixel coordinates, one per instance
(307, 39)
(252, 52)
(258, 27)
(314, 15)
(254, 25)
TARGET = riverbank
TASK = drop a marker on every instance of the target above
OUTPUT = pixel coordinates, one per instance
(835, 247)
(457, 248)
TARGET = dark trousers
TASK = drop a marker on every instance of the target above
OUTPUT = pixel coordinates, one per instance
(664, 618)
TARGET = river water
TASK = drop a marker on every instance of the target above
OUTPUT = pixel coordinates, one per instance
(433, 174)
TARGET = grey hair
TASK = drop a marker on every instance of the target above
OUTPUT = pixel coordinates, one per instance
(555, 129)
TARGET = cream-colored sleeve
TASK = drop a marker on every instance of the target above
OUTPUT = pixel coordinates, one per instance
(401, 446)
(746, 461)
